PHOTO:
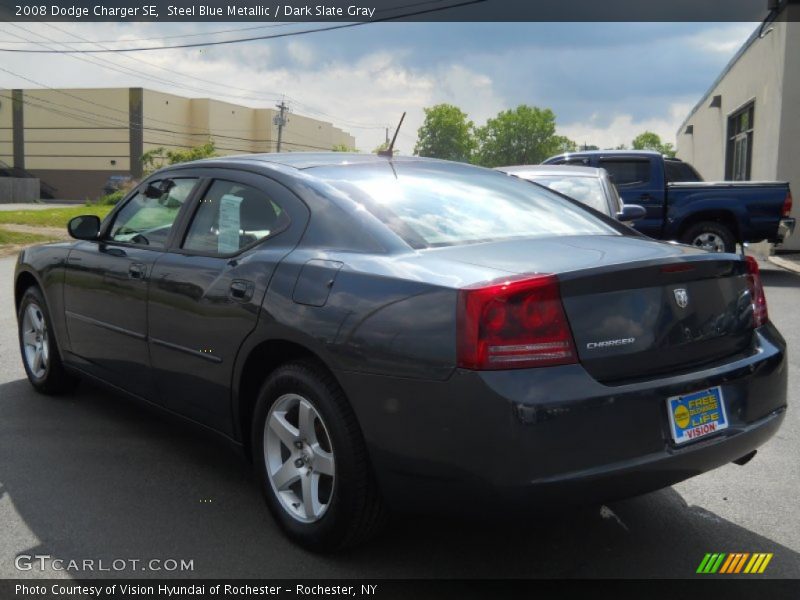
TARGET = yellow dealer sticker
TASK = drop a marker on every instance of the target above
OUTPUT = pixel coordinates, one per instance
(696, 415)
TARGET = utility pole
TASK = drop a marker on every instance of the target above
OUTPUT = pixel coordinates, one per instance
(280, 121)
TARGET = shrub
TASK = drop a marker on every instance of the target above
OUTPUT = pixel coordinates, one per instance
(112, 198)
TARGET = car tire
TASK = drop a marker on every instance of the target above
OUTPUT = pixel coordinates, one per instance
(38, 346)
(710, 235)
(316, 477)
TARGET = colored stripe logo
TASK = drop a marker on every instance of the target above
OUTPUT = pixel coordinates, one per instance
(734, 563)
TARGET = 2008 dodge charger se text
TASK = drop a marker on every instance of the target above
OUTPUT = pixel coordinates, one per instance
(401, 333)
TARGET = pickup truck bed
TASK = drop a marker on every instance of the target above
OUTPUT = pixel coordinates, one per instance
(680, 206)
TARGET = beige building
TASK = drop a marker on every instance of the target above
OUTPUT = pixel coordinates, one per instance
(74, 139)
(747, 126)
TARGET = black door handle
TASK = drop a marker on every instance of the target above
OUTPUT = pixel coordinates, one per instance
(241, 289)
(645, 197)
(137, 271)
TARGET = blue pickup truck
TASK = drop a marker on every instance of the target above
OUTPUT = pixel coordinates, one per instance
(681, 206)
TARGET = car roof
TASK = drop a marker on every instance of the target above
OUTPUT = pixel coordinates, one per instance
(574, 170)
(309, 160)
(611, 153)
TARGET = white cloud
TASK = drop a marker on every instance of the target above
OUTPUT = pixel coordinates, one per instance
(623, 128)
(375, 88)
(723, 39)
(301, 53)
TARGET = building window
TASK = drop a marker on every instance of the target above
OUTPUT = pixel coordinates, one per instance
(739, 156)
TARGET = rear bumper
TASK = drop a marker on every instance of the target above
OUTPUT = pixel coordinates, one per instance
(785, 229)
(521, 438)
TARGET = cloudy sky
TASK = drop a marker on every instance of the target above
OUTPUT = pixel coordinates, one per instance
(606, 82)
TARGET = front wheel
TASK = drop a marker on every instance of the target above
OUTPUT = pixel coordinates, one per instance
(40, 355)
(311, 460)
(711, 236)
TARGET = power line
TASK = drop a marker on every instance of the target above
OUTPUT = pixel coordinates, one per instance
(92, 117)
(164, 37)
(250, 39)
(97, 104)
(220, 31)
(103, 63)
(262, 93)
(155, 131)
(106, 64)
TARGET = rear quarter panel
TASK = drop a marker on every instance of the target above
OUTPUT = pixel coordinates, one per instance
(374, 320)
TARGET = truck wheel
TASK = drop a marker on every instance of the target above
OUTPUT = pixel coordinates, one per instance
(711, 236)
(40, 354)
(311, 461)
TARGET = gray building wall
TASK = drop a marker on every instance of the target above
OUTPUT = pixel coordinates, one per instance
(766, 71)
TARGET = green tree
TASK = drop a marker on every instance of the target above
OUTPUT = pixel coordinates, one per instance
(343, 148)
(651, 141)
(384, 146)
(446, 133)
(564, 144)
(160, 157)
(524, 135)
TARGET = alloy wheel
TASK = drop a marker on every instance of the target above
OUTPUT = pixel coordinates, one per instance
(709, 241)
(299, 458)
(35, 341)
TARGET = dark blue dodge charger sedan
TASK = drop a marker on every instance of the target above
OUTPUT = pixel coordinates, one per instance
(401, 333)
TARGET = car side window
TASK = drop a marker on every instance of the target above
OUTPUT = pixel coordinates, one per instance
(231, 216)
(147, 218)
(627, 171)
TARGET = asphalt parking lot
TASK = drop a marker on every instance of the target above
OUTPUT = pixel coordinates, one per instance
(93, 476)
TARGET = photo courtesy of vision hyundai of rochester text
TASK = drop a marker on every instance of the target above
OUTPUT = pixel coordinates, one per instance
(386, 334)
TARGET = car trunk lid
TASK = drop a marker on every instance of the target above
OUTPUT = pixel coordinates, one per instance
(636, 307)
(635, 321)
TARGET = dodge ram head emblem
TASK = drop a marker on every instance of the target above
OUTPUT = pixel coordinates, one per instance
(681, 297)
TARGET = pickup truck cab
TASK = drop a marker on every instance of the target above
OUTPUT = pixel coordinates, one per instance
(681, 206)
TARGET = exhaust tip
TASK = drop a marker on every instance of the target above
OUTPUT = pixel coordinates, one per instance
(743, 460)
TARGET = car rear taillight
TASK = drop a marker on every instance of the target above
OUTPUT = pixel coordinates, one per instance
(757, 296)
(513, 325)
(787, 204)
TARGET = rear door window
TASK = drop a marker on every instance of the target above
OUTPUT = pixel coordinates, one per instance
(627, 171)
(588, 190)
(677, 171)
(232, 216)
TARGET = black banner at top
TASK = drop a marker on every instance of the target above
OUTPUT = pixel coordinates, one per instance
(344, 11)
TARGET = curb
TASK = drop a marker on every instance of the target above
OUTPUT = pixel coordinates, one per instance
(789, 265)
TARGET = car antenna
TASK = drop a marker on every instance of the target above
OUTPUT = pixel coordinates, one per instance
(390, 150)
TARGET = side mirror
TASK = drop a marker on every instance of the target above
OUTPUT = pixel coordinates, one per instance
(84, 227)
(153, 191)
(631, 212)
(156, 190)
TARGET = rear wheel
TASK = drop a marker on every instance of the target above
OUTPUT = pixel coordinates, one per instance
(311, 460)
(40, 355)
(711, 236)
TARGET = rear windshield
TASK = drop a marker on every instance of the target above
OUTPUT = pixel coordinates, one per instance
(588, 190)
(433, 204)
